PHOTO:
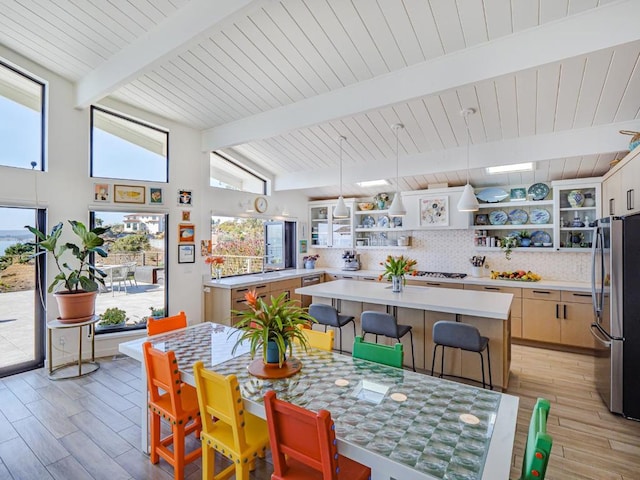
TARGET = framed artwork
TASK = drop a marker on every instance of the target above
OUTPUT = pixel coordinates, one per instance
(186, 216)
(302, 246)
(518, 194)
(128, 194)
(205, 248)
(185, 198)
(101, 192)
(186, 233)
(155, 196)
(186, 253)
(434, 211)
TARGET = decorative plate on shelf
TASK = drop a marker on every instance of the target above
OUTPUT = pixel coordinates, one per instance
(397, 221)
(492, 195)
(538, 191)
(540, 236)
(368, 221)
(383, 221)
(518, 217)
(498, 217)
(539, 215)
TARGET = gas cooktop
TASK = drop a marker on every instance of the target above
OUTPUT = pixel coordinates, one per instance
(440, 274)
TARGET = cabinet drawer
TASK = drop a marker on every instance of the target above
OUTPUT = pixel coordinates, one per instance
(457, 286)
(541, 294)
(282, 285)
(517, 292)
(238, 293)
(575, 297)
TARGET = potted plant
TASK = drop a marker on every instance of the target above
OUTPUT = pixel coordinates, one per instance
(395, 269)
(272, 326)
(310, 261)
(80, 280)
(112, 317)
(525, 238)
(508, 244)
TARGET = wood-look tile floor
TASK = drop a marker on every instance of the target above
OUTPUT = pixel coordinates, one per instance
(89, 428)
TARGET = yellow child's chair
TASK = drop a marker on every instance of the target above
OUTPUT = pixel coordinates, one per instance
(226, 426)
(317, 339)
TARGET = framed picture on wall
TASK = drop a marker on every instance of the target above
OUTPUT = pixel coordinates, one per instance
(155, 196)
(303, 246)
(185, 198)
(434, 211)
(101, 192)
(128, 194)
(186, 253)
(186, 233)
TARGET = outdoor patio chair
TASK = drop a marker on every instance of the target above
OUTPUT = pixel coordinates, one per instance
(131, 273)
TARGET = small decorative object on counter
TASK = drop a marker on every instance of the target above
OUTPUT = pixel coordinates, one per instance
(310, 261)
(575, 198)
(395, 269)
(216, 262)
(508, 244)
(518, 275)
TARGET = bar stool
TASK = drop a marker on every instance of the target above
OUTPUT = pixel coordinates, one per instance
(462, 336)
(384, 324)
(328, 316)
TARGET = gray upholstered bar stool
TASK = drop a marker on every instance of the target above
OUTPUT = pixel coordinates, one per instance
(328, 316)
(380, 323)
(463, 336)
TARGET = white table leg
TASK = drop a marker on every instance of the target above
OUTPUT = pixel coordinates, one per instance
(144, 417)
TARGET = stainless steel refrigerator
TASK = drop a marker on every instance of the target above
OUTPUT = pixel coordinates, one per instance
(616, 303)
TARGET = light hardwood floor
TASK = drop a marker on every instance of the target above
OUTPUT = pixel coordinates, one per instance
(89, 427)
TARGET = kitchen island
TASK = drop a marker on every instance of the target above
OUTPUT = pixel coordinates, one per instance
(421, 307)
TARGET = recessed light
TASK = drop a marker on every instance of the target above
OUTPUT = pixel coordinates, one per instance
(516, 167)
(373, 183)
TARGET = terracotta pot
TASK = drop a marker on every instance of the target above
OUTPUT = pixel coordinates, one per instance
(72, 305)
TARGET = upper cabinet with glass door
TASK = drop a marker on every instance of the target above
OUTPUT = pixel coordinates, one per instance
(327, 231)
(577, 207)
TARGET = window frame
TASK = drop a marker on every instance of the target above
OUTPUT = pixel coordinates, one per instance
(237, 164)
(122, 116)
(43, 120)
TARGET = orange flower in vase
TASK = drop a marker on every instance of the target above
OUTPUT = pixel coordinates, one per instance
(216, 262)
(395, 269)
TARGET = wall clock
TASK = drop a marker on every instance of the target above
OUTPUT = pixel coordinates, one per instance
(261, 204)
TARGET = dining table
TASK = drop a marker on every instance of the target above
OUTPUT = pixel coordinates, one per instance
(402, 424)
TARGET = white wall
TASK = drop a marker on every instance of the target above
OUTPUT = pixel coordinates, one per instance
(66, 189)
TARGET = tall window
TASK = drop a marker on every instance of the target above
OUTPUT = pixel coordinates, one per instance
(225, 172)
(127, 149)
(21, 119)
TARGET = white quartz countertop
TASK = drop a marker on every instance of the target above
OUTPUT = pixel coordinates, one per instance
(448, 300)
(259, 278)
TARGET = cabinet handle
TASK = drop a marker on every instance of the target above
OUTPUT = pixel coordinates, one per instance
(630, 199)
(492, 288)
(260, 286)
(611, 206)
(542, 292)
(557, 311)
(581, 295)
(564, 311)
(242, 290)
(434, 284)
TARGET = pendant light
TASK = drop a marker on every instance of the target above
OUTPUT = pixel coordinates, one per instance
(397, 207)
(341, 210)
(468, 201)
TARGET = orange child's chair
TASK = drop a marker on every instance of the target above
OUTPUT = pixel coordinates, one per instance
(174, 401)
(303, 444)
(226, 426)
(156, 326)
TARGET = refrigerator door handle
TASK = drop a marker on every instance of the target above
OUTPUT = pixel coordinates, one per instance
(603, 333)
(595, 252)
(598, 336)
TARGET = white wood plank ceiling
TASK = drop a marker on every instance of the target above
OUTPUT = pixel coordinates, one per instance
(276, 82)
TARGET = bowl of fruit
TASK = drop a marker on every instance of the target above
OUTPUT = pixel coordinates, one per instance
(517, 275)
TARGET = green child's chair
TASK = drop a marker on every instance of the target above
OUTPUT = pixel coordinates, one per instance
(375, 352)
(538, 447)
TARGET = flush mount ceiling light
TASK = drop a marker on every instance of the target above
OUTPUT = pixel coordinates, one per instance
(373, 183)
(341, 210)
(397, 207)
(468, 201)
(516, 167)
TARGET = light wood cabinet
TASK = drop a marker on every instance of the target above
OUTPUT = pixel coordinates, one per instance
(561, 317)
(516, 304)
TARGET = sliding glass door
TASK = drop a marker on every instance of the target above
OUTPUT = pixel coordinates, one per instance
(22, 297)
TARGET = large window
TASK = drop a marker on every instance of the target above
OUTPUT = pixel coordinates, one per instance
(21, 119)
(127, 149)
(225, 172)
(135, 267)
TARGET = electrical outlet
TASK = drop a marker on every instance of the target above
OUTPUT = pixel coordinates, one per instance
(62, 341)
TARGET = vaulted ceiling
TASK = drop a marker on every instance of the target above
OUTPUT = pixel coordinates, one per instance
(276, 82)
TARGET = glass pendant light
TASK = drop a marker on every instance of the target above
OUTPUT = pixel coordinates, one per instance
(341, 210)
(468, 201)
(397, 206)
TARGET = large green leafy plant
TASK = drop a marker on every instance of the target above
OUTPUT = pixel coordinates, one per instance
(82, 276)
(278, 321)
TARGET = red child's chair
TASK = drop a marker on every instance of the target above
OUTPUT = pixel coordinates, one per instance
(177, 403)
(303, 444)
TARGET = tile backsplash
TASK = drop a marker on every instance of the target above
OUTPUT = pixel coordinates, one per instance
(450, 251)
